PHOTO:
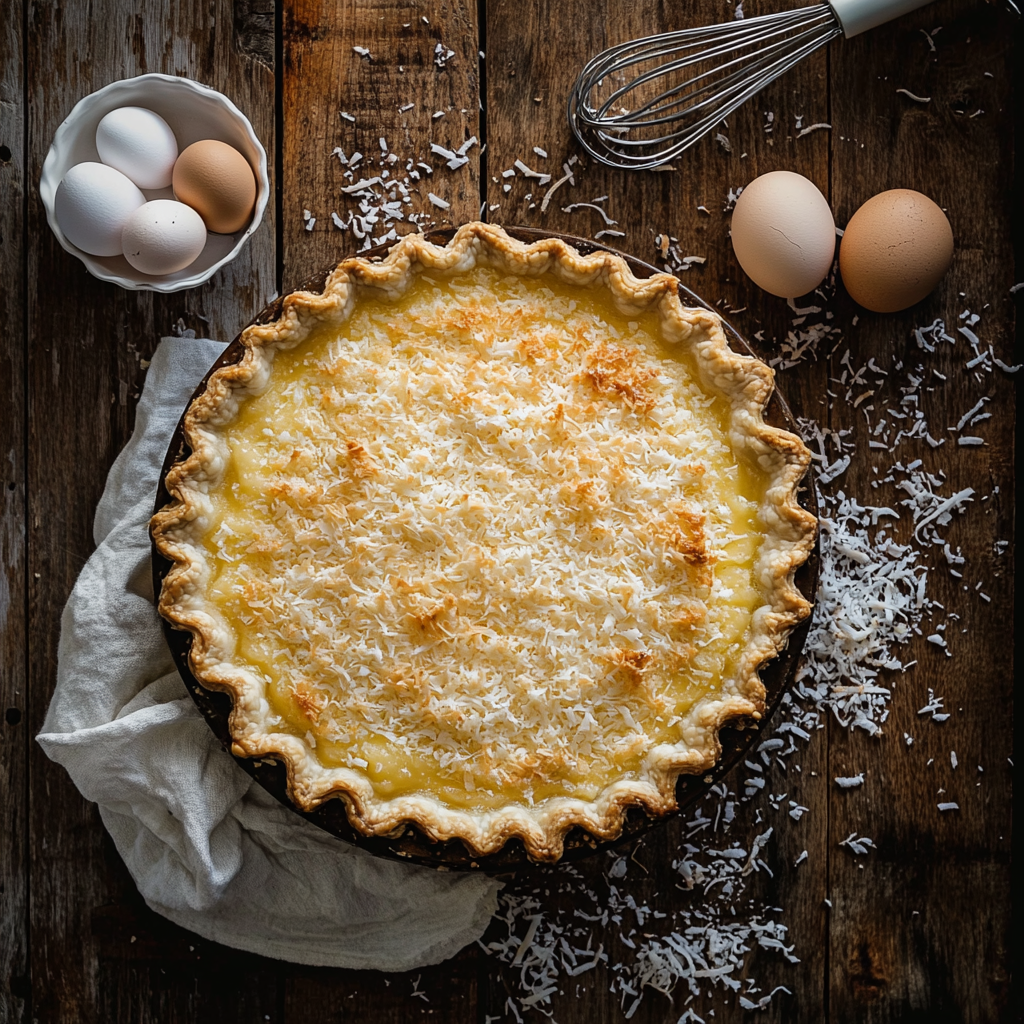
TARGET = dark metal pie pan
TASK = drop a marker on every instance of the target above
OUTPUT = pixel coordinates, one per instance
(412, 845)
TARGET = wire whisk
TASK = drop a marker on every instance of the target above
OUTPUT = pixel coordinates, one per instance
(664, 92)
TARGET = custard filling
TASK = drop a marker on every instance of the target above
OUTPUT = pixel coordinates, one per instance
(488, 540)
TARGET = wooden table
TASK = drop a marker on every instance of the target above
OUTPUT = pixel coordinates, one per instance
(919, 926)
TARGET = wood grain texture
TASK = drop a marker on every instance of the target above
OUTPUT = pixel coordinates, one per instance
(924, 930)
(86, 343)
(390, 92)
(14, 739)
(446, 992)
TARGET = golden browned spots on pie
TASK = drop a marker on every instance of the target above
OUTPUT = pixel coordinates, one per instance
(616, 370)
(531, 347)
(434, 617)
(309, 701)
(362, 462)
(410, 684)
(523, 765)
(682, 533)
(266, 541)
(631, 663)
(634, 668)
(689, 614)
(589, 493)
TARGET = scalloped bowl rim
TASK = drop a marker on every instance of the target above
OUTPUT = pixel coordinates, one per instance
(135, 92)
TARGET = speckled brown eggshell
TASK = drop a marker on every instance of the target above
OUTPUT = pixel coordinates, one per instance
(217, 182)
(895, 250)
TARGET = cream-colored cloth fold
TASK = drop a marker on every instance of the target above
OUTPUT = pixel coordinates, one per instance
(207, 846)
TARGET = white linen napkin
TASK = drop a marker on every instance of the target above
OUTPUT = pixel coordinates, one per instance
(207, 846)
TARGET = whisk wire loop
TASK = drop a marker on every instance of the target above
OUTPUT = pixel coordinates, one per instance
(700, 84)
(712, 71)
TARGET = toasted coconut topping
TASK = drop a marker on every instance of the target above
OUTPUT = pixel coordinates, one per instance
(487, 551)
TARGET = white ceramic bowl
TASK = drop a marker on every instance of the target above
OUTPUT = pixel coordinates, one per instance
(194, 112)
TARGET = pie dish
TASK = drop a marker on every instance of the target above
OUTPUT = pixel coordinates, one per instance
(489, 538)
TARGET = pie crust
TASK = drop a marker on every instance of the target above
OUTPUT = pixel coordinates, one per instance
(511, 780)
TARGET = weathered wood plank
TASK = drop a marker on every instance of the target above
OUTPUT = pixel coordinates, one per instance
(14, 940)
(444, 992)
(337, 96)
(150, 969)
(534, 52)
(921, 925)
(86, 343)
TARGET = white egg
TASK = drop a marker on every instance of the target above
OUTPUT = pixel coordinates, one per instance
(140, 144)
(783, 234)
(163, 237)
(92, 204)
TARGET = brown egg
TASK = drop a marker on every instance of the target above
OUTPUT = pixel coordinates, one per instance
(217, 182)
(895, 250)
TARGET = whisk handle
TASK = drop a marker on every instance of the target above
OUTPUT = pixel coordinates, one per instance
(858, 16)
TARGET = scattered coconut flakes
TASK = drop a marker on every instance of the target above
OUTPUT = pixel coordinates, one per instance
(442, 55)
(385, 199)
(967, 416)
(361, 50)
(528, 172)
(949, 806)
(455, 158)
(870, 600)
(566, 177)
(914, 97)
(928, 337)
(363, 185)
(763, 1002)
(812, 128)
(589, 206)
(850, 782)
(702, 947)
(438, 201)
(858, 845)
(933, 708)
